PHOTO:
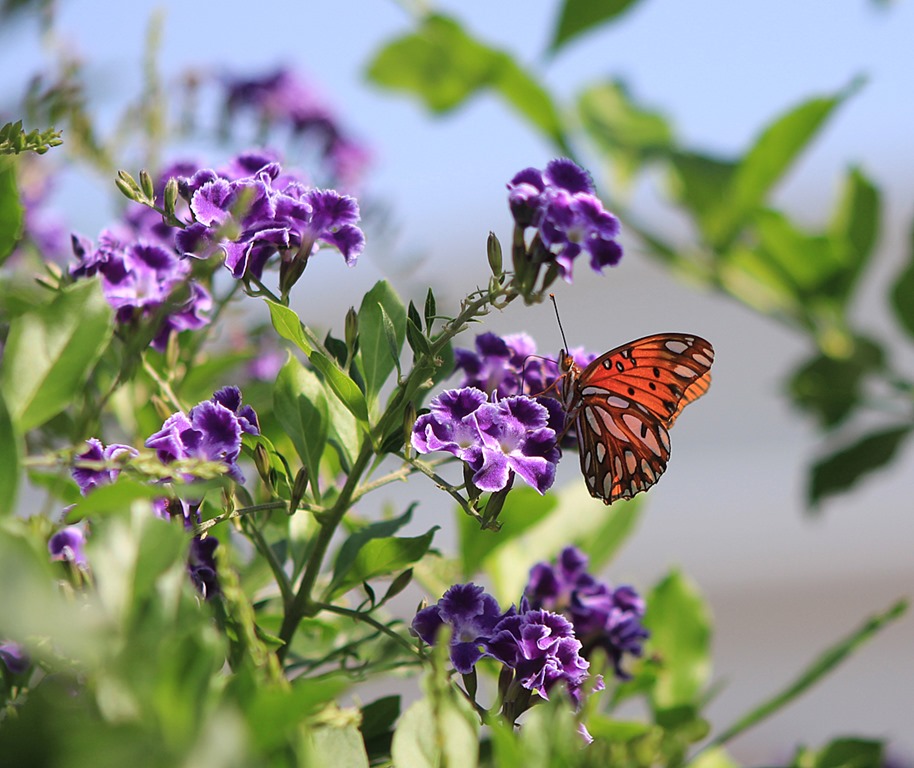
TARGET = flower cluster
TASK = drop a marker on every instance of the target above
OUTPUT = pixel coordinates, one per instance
(537, 645)
(250, 218)
(560, 204)
(508, 365)
(496, 439)
(282, 99)
(211, 431)
(602, 617)
(143, 280)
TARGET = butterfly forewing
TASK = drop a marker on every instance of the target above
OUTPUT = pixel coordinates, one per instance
(623, 403)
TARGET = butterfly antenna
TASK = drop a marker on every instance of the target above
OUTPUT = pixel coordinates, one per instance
(555, 306)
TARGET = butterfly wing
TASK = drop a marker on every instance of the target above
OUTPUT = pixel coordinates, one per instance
(624, 403)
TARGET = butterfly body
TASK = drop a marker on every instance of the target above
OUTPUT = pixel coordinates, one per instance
(623, 404)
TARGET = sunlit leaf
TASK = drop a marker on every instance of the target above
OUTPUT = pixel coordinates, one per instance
(287, 325)
(10, 452)
(50, 353)
(10, 210)
(680, 627)
(444, 66)
(902, 295)
(300, 403)
(375, 357)
(342, 385)
(854, 231)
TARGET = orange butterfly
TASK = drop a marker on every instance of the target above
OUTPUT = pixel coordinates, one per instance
(623, 404)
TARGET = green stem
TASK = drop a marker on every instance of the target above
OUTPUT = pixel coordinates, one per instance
(164, 386)
(282, 580)
(301, 605)
(367, 619)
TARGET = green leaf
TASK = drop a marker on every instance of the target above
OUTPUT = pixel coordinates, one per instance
(830, 388)
(580, 16)
(680, 627)
(51, 352)
(902, 295)
(821, 667)
(382, 557)
(378, 720)
(851, 753)
(343, 387)
(10, 210)
(699, 183)
(377, 356)
(430, 735)
(288, 325)
(577, 519)
(854, 231)
(841, 470)
(523, 509)
(10, 453)
(300, 403)
(444, 66)
(623, 129)
(349, 550)
(114, 498)
(772, 155)
(342, 746)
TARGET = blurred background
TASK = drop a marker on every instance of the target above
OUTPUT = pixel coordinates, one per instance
(783, 583)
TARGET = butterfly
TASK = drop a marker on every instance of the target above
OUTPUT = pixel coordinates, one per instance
(623, 404)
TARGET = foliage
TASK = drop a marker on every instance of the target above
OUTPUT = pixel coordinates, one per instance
(212, 588)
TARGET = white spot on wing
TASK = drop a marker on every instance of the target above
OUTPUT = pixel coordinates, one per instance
(676, 347)
(684, 372)
(592, 420)
(701, 359)
(617, 402)
(631, 461)
(601, 452)
(607, 486)
(588, 391)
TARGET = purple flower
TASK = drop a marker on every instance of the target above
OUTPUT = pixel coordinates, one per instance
(542, 649)
(201, 564)
(251, 218)
(210, 431)
(283, 99)
(472, 615)
(15, 658)
(495, 439)
(67, 545)
(560, 204)
(602, 617)
(87, 478)
(139, 278)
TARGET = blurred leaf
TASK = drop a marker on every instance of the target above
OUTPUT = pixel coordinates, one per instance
(344, 431)
(377, 726)
(382, 557)
(829, 388)
(699, 183)
(10, 453)
(375, 356)
(902, 296)
(840, 470)
(851, 753)
(772, 155)
(301, 406)
(822, 666)
(276, 711)
(288, 325)
(680, 627)
(50, 353)
(578, 519)
(349, 550)
(432, 734)
(10, 210)
(444, 66)
(854, 231)
(340, 746)
(342, 385)
(621, 128)
(580, 16)
(113, 498)
(523, 509)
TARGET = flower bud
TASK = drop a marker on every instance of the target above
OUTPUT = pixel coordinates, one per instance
(171, 196)
(493, 251)
(351, 329)
(146, 185)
